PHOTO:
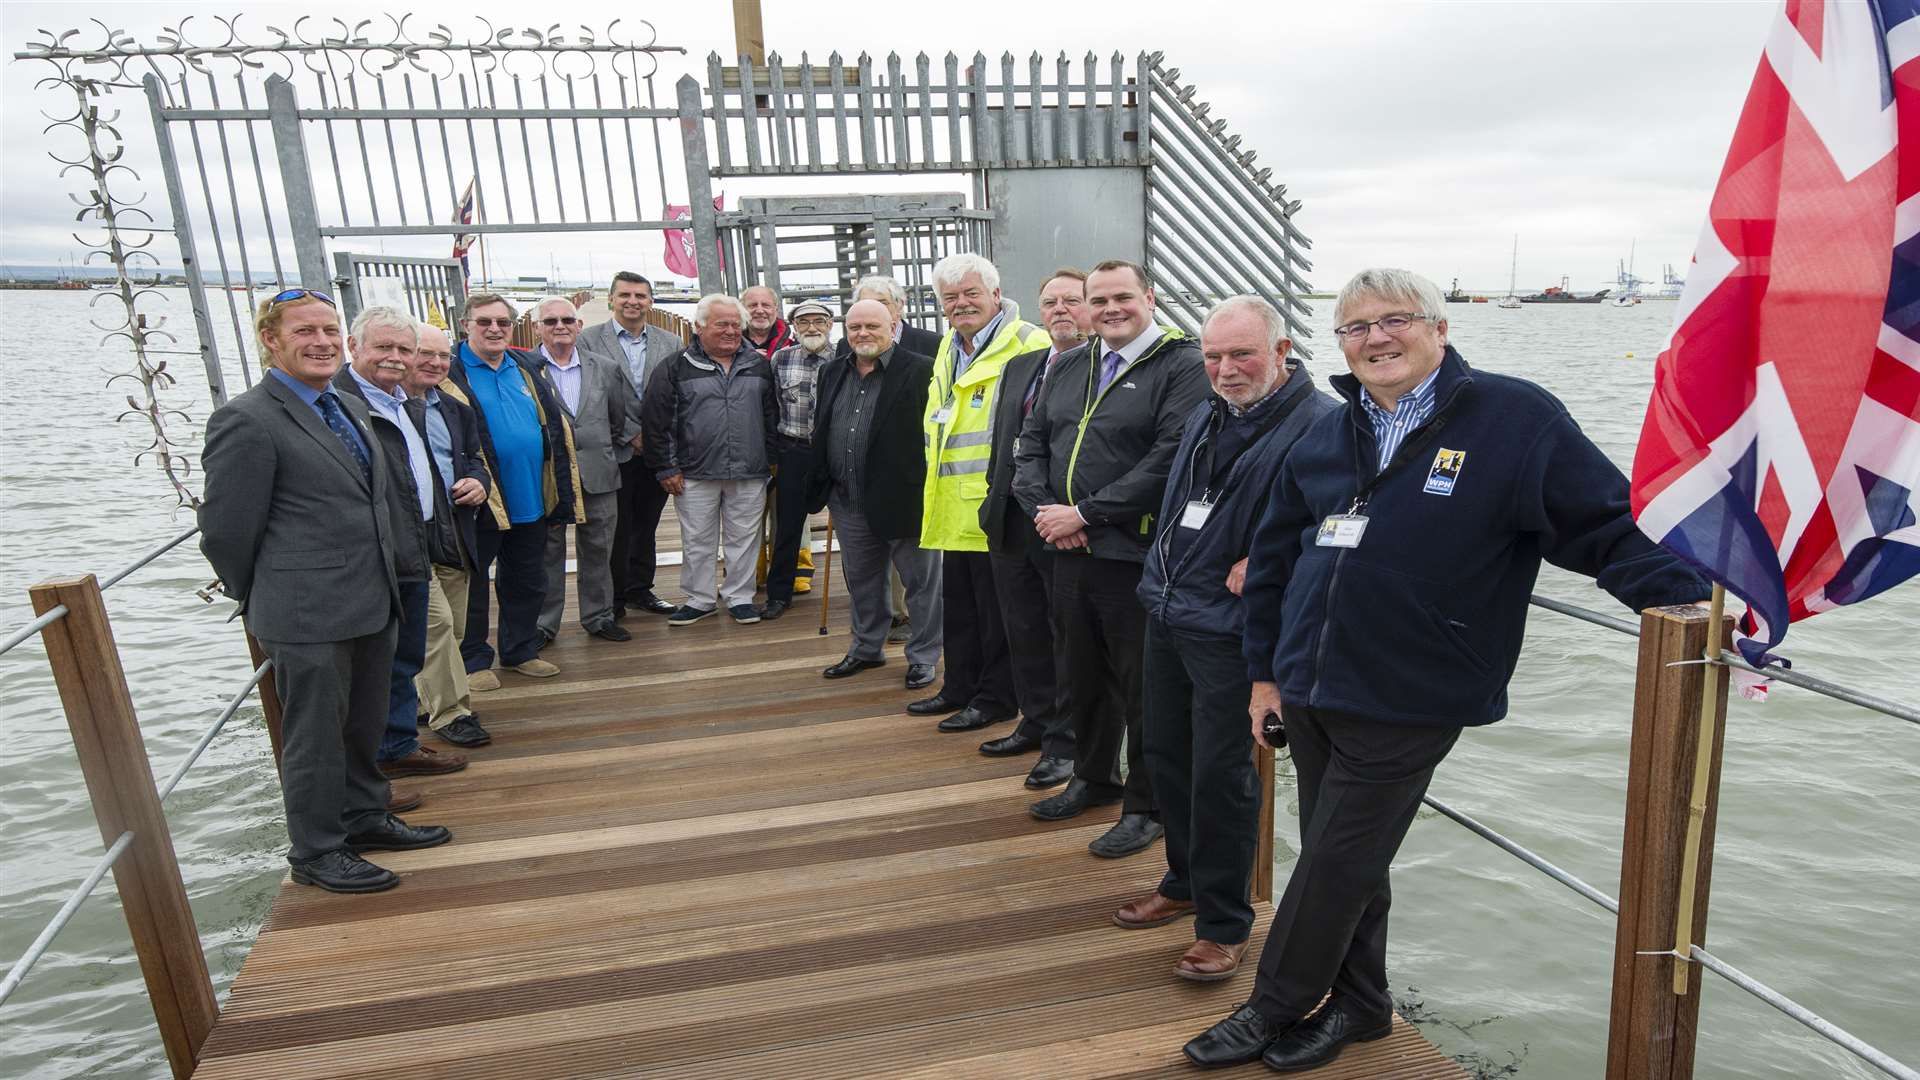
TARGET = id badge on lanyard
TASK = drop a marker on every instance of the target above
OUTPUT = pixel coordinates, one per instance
(1341, 531)
(1195, 515)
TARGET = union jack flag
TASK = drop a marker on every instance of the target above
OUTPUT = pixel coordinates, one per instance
(1781, 449)
(463, 215)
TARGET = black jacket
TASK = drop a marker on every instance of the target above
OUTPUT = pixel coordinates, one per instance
(1187, 589)
(412, 556)
(1009, 528)
(1422, 622)
(469, 463)
(896, 465)
(1108, 454)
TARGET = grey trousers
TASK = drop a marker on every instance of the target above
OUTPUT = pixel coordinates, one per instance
(708, 511)
(333, 711)
(864, 558)
(593, 576)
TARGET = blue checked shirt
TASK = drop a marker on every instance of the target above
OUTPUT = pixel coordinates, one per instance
(1390, 429)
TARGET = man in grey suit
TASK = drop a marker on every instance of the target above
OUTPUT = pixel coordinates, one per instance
(295, 521)
(640, 346)
(600, 403)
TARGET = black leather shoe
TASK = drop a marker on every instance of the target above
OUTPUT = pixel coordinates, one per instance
(919, 675)
(1009, 745)
(1050, 771)
(465, 731)
(938, 703)
(850, 665)
(774, 609)
(1076, 800)
(1319, 1039)
(650, 604)
(969, 719)
(392, 834)
(610, 632)
(343, 871)
(1238, 1039)
(1133, 832)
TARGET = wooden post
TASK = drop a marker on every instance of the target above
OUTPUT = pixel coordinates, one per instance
(1652, 1029)
(269, 697)
(1263, 847)
(113, 758)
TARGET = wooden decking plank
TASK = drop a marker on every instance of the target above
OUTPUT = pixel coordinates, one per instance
(688, 856)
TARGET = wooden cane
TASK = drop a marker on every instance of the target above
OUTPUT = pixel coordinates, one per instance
(826, 577)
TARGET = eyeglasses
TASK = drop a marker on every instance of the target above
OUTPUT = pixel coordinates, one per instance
(484, 321)
(565, 320)
(820, 321)
(291, 295)
(1394, 324)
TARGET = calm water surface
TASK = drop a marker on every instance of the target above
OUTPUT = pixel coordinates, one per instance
(1818, 855)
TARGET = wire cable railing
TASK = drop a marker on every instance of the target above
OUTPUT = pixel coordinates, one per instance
(59, 611)
(62, 917)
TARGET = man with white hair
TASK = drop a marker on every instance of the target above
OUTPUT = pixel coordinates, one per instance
(709, 418)
(1197, 745)
(765, 330)
(1385, 599)
(381, 342)
(597, 396)
(796, 370)
(986, 332)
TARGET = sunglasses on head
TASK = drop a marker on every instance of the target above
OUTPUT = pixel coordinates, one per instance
(291, 295)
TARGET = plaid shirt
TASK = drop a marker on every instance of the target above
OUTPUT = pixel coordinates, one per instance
(797, 373)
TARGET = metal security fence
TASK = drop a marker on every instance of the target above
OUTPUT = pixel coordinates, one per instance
(433, 290)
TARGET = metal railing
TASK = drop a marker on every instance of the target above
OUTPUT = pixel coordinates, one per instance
(114, 761)
(1697, 954)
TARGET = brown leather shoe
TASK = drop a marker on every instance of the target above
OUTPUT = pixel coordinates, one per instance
(400, 800)
(1210, 961)
(1150, 910)
(424, 761)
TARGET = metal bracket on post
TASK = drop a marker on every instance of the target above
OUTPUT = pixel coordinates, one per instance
(693, 138)
(183, 236)
(303, 214)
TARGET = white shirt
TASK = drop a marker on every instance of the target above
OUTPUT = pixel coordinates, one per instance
(393, 406)
(566, 379)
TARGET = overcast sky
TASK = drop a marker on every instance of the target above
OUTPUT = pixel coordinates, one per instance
(1423, 135)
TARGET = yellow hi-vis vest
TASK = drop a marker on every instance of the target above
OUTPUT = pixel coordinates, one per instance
(959, 432)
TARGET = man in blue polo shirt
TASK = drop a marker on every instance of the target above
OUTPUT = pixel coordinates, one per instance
(530, 451)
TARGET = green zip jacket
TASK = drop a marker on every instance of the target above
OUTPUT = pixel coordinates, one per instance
(1107, 454)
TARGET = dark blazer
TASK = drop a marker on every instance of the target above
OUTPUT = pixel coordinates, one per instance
(463, 431)
(896, 465)
(296, 532)
(412, 556)
(915, 340)
(998, 513)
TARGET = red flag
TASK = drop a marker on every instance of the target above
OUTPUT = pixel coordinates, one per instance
(679, 256)
(1781, 449)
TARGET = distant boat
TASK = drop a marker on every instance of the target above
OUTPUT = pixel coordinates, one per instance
(1560, 294)
(1511, 301)
(1457, 295)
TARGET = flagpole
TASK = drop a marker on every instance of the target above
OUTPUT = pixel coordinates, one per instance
(1697, 800)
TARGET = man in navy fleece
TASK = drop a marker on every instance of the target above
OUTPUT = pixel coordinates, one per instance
(1386, 597)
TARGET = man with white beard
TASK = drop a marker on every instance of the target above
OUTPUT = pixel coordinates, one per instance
(796, 374)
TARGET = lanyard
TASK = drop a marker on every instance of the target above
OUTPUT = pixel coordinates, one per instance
(1211, 441)
(1407, 450)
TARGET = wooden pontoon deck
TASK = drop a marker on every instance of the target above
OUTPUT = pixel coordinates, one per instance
(689, 855)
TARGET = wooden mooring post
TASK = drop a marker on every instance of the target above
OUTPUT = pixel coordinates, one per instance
(1652, 1029)
(113, 758)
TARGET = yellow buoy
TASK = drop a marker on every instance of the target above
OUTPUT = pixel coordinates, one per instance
(1629, 356)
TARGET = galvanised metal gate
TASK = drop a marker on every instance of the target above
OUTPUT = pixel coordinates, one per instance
(433, 290)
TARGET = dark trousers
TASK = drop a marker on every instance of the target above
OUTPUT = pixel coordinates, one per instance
(979, 672)
(520, 581)
(1105, 629)
(333, 707)
(641, 501)
(795, 460)
(1199, 750)
(1359, 784)
(1023, 585)
(409, 656)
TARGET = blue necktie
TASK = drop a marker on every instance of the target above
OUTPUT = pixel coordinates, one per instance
(1109, 367)
(337, 420)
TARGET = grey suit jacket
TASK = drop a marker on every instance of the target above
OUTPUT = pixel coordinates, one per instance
(607, 420)
(604, 338)
(295, 530)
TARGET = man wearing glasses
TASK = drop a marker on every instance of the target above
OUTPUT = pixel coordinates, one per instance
(598, 398)
(295, 521)
(1385, 598)
(529, 450)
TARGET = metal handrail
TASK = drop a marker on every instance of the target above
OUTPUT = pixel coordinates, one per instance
(59, 611)
(147, 558)
(219, 722)
(1816, 1023)
(65, 915)
(46, 619)
(1884, 706)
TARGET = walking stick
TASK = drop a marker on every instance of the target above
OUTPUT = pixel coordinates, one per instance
(826, 578)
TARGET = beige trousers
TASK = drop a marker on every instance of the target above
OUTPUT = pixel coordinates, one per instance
(442, 683)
